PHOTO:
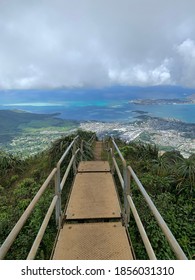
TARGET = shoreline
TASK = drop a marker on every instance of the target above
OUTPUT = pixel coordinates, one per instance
(168, 134)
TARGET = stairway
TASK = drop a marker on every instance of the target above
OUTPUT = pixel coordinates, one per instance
(92, 228)
(98, 150)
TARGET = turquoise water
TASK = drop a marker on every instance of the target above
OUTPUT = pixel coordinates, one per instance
(185, 113)
(107, 110)
(105, 104)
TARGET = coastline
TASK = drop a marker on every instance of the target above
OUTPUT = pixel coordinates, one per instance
(167, 134)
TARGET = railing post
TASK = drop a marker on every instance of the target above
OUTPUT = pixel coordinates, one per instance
(127, 191)
(107, 148)
(74, 161)
(112, 150)
(82, 142)
(58, 193)
(126, 204)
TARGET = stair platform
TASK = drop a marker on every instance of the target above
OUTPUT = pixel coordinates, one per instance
(93, 196)
(98, 150)
(93, 228)
(93, 241)
(94, 166)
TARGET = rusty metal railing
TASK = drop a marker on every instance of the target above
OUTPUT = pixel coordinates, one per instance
(55, 203)
(125, 180)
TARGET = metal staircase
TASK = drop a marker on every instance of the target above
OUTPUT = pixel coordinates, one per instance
(94, 224)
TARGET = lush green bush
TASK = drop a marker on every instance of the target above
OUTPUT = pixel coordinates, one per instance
(20, 181)
(169, 179)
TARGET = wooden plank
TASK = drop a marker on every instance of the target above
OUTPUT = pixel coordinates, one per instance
(93, 196)
(93, 241)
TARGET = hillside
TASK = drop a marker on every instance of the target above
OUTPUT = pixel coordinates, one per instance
(15, 123)
(11, 119)
(20, 179)
(169, 179)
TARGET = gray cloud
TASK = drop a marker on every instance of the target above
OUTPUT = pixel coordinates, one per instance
(47, 43)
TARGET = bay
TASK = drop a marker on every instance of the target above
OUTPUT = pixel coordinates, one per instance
(107, 110)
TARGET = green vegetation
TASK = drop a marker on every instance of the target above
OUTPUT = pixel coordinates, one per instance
(20, 181)
(169, 179)
(15, 123)
(27, 134)
(145, 136)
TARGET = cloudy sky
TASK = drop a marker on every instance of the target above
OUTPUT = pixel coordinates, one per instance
(96, 43)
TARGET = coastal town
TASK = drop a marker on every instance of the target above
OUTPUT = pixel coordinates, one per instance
(166, 134)
(30, 144)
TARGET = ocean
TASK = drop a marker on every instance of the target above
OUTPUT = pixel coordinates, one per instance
(108, 104)
(108, 111)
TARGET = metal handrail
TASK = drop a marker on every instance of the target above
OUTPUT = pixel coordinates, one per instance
(67, 151)
(42, 229)
(87, 145)
(68, 170)
(141, 229)
(119, 152)
(91, 140)
(17, 228)
(168, 234)
(56, 202)
(128, 171)
(117, 170)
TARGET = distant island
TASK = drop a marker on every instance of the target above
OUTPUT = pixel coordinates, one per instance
(189, 100)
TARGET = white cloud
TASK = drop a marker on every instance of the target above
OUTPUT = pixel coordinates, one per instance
(185, 61)
(96, 43)
(187, 49)
(142, 74)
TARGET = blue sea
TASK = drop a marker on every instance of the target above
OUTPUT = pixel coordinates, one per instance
(100, 105)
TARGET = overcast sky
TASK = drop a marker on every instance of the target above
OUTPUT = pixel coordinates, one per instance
(96, 43)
